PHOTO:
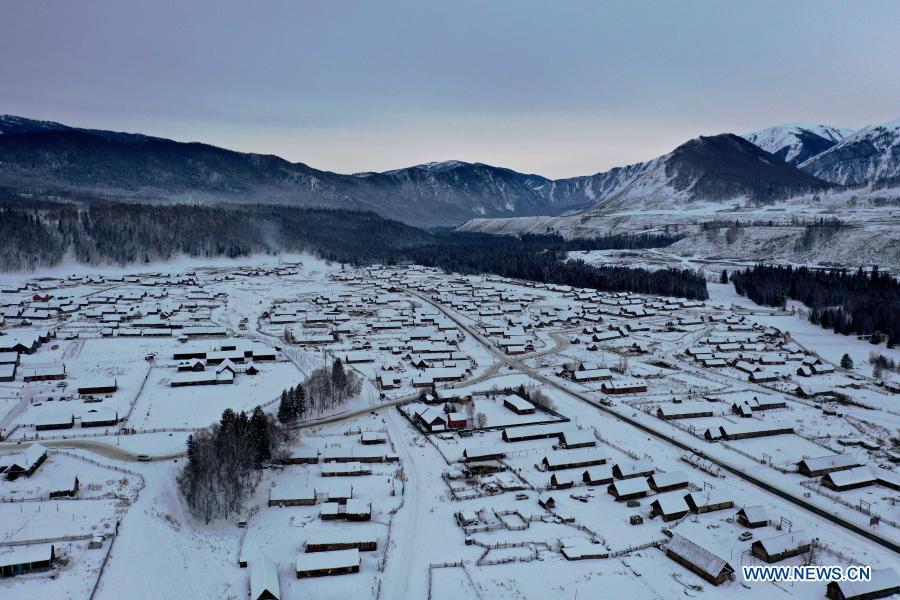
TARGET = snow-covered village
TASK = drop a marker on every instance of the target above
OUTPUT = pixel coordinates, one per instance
(428, 436)
(459, 300)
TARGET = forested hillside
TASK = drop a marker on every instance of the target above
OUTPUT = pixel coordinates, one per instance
(40, 234)
(848, 302)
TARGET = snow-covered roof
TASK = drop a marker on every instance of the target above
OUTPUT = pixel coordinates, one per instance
(851, 477)
(625, 487)
(701, 558)
(882, 579)
(671, 503)
(263, 578)
(18, 555)
(671, 478)
(782, 543)
(340, 536)
(517, 402)
(337, 559)
(755, 514)
(832, 461)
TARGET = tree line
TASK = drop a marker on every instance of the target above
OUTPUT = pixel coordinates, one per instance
(849, 302)
(41, 233)
(545, 259)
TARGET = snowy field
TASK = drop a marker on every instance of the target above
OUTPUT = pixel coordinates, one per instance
(437, 354)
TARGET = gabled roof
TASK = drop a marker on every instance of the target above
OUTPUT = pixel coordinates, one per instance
(263, 578)
(701, 558)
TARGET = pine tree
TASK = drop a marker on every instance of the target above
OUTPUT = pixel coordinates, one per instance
(724, 278)
(298, 410)
(285, 408)
(338, 375)
(259, 435)
(846, 362)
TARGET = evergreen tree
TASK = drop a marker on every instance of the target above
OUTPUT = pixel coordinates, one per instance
(338, 375)
(846, 362)
(299, 407)
(724, 278)
(259, 435)
(285, 408)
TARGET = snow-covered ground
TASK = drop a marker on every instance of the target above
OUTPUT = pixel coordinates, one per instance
(443, 528)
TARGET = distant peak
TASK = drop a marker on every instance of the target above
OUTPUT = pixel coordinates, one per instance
(438, 167)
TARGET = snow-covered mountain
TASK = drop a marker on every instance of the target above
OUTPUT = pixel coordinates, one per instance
(869, 155)
(714, 169)
(796, 142)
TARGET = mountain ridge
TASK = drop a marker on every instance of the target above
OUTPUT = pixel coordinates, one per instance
(46, 156)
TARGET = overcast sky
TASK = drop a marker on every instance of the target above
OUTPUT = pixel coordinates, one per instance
(555, 88)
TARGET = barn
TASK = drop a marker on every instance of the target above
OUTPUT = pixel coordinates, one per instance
(329, 541)
(884, 583)
(54, 421)
(752, 517)
(640, 468)
(684, 411)
(547, 501)
(457, 420)
(432, 419)
(319, 564)
(292, 495)
(669, 506)
(23, 463)
(302, 456)
(358, 510)
(106, 417)
(53, 373)
(264, 580)
(588, 457)
(699, 560)
(577, 438)
(598, 475)
(518, 405)
(561, 481)
(483, 453)
(628, 489)
(780, 547)
(709, 501)
(623, 386)
(532, 432)
(815, 467)
(19, 560)
(735, 431)
(666, 482)
(848, 479)
(98, 386)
